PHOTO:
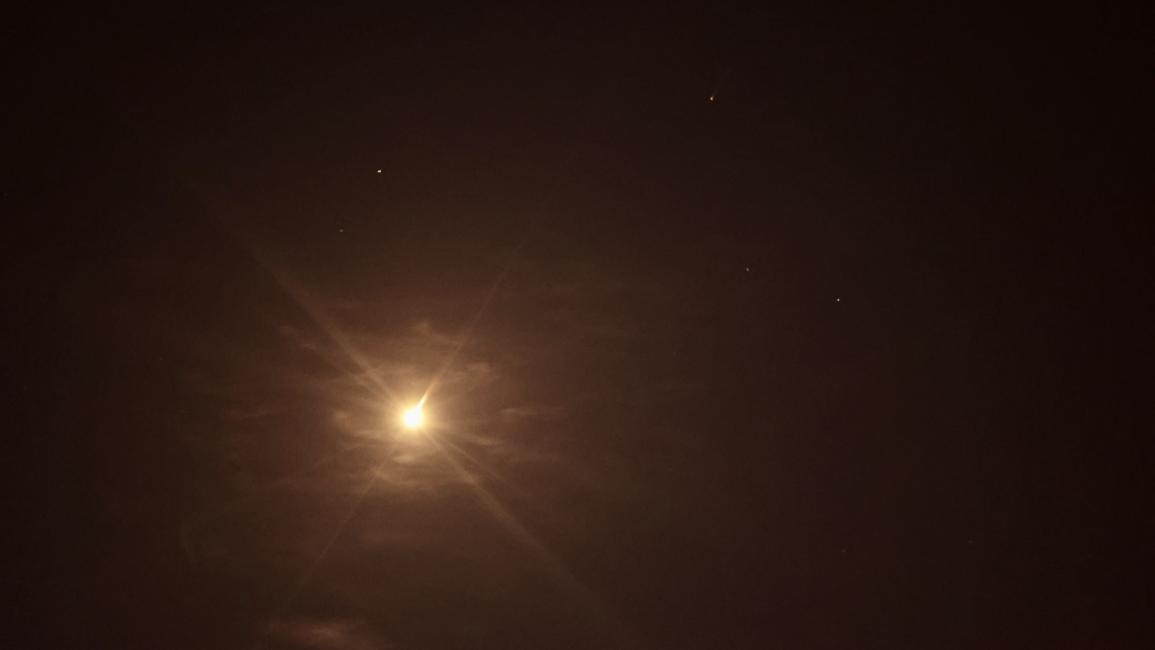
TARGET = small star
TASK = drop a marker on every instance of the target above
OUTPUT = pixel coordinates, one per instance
(838, 300)
(747, 269)
(340, 230)
(379, 171)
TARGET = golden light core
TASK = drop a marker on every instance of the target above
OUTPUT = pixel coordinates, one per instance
(413, 418)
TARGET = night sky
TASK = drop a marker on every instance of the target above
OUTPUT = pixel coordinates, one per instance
(734, 328)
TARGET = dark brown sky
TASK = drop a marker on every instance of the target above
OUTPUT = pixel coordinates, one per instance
(840, 359)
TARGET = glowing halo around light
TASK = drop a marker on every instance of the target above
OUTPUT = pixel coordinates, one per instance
(414, 417)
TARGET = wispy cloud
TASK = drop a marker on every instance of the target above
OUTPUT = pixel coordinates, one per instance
(532, 413)
(252, 412)
(338, 634)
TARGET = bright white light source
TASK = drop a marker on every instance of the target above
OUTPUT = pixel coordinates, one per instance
(413, 418)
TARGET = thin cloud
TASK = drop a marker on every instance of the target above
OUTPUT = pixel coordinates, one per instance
(532, 413)
(327, 634)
